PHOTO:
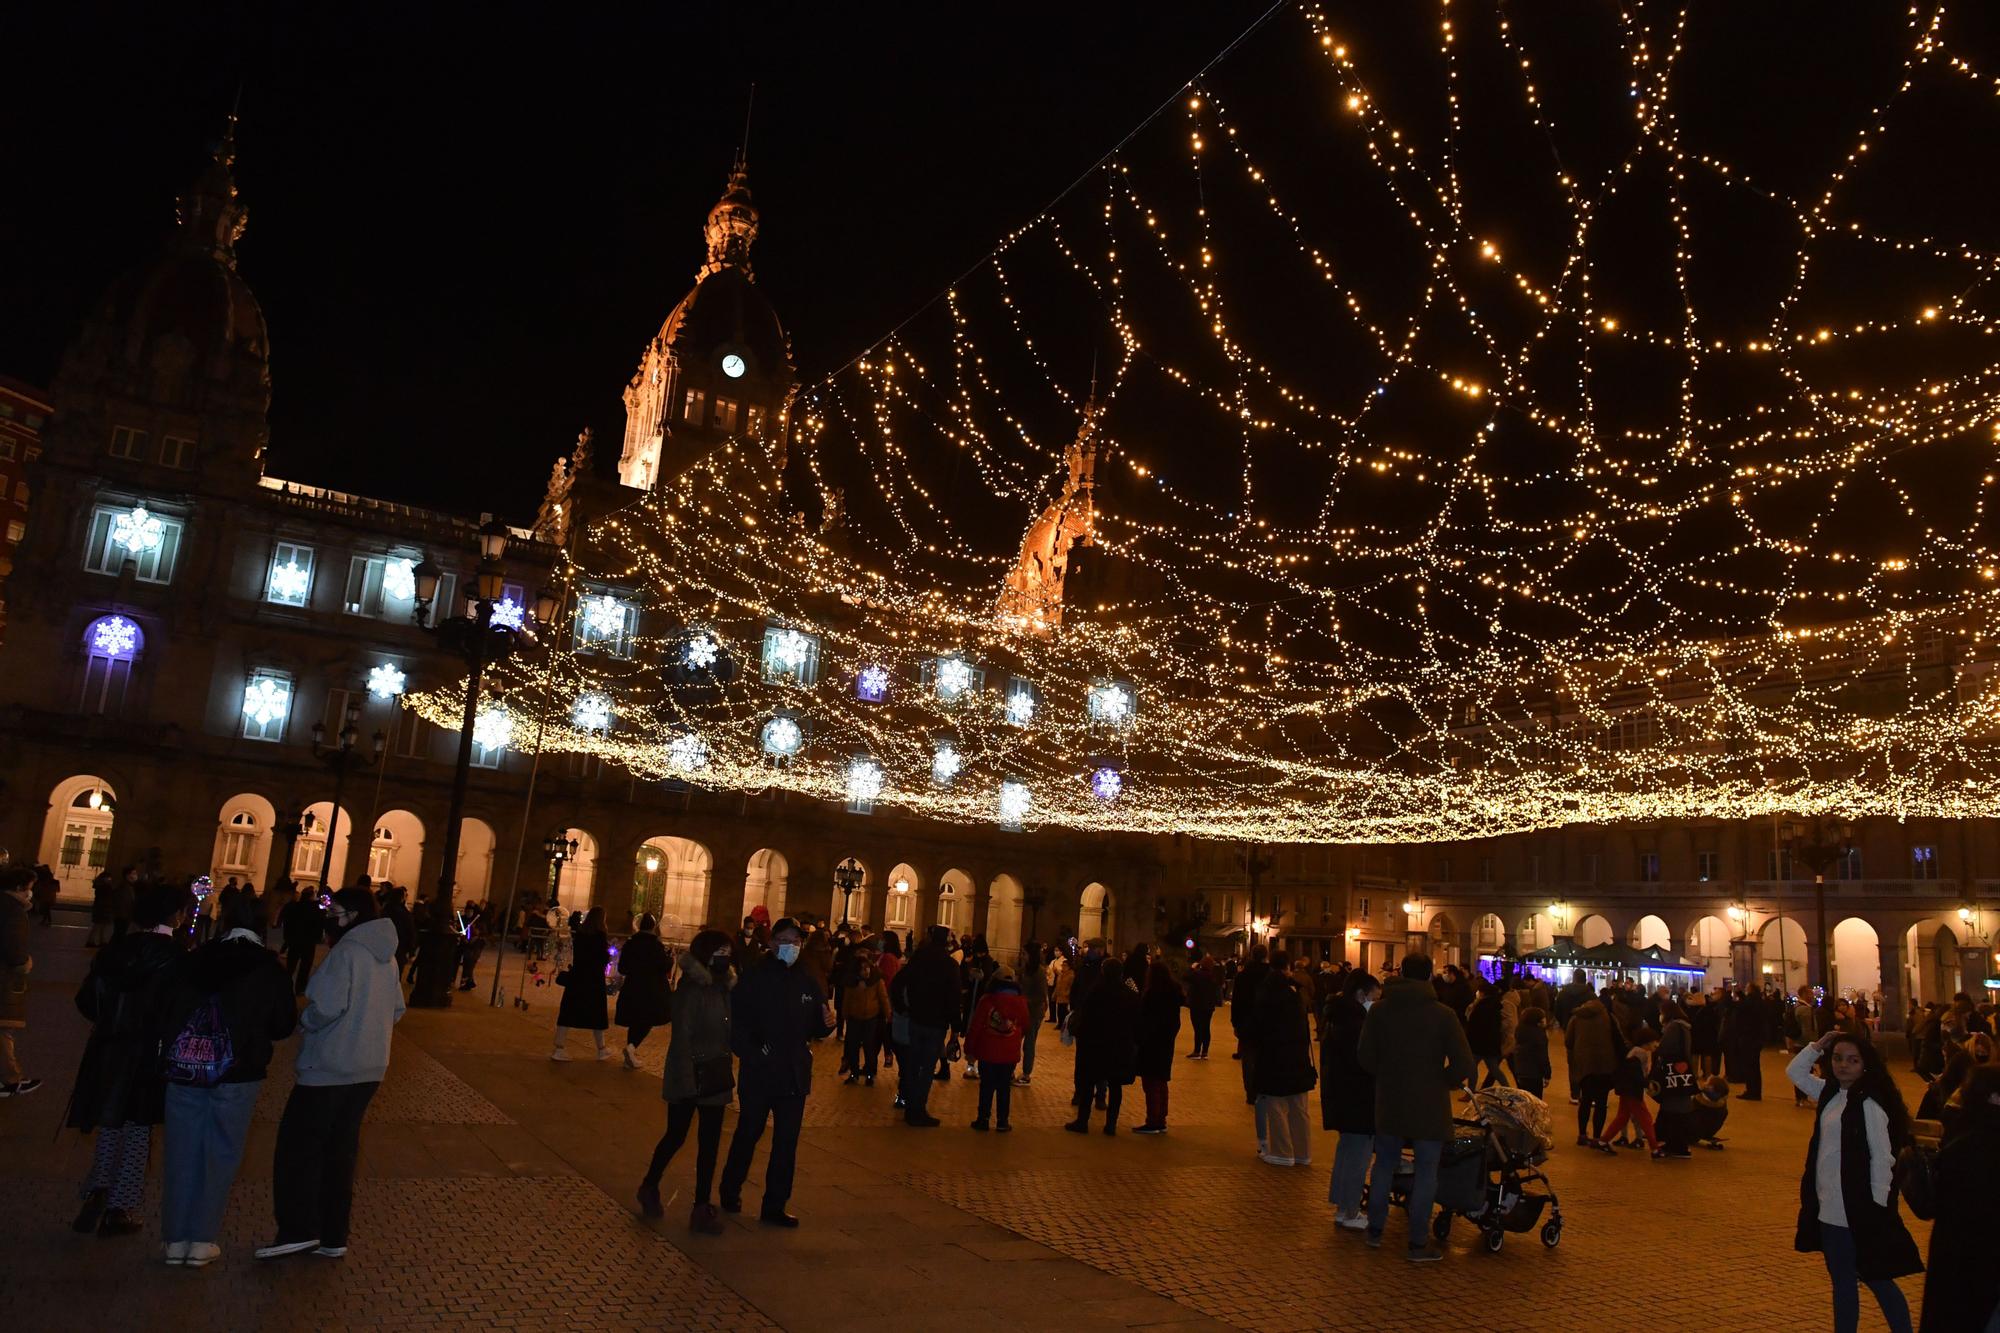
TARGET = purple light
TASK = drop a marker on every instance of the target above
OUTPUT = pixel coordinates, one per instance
(114, 636)
(871, 686)
(1106, 784)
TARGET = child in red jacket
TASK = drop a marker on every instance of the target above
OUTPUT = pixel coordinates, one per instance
(993, 1039)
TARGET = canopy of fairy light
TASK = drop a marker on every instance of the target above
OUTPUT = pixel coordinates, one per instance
(1500, 419)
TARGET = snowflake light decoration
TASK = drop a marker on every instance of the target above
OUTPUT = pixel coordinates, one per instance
(1106, 784)
(289, 582)
(493, 728)
(592, 712)
(700, 652)
(1015, 801)
(386, 681)
(114, 636)
(509, 614)
(604, 616)
(864, 780)
(946, 762)
(687, 753)
(399, 578)
(790, 649)
(1110, 704)
(872, 685)
(1021, 707)
(266, 699)
(138, 531)
(954, 677)
(782, 737)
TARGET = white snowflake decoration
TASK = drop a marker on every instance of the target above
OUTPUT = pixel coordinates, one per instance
(954, 677)
(114, 636)
(782, 737)
(946, 762)
(864, 780)
(687, 753)
(386, 681)
(138, 531)
(1020, 708)
(266, 700)
(790, 649)
(1015, 801)
(399, 578)
(289, 582)
(509, 614)
(1110, 703)
(1106, 784)
(493, 728)
(592, 712)
(700, 652)
(604, 616)
(874, 682)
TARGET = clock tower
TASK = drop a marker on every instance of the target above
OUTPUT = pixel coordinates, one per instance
(720, 368)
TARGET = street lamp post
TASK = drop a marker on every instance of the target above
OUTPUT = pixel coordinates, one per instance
(340, 756)
(290, 824)
(846, 878)
(1254, 866)
(1819, 842)
(480, 643)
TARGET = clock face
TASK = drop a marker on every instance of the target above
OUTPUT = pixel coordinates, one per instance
(732, 366)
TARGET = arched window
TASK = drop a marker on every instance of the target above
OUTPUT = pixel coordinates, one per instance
(382, 856)
(111, 644)
(947, 911)
(239, 842)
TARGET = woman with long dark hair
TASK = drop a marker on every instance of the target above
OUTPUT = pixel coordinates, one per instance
(1847, 1195)
(1159, 1028)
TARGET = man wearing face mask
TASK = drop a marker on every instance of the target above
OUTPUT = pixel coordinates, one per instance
(775, 1010)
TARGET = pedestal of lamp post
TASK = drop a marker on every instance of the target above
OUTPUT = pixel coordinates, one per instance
(437, 964)
(1743, 961)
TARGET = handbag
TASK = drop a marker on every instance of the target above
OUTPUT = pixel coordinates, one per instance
(713, 1076)
(1915, 1178)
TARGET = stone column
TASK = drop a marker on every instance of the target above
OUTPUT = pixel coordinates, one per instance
(1743, 961)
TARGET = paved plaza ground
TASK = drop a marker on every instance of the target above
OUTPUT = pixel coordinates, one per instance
(496, 1192)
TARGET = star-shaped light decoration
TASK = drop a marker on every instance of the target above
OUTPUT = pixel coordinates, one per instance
(954, 677)
(1106, 784)
(687, 753)
(509, 614)
(399, 578)
(864, 779)
(1020, 708)
(789, 650)
(1015, 801)
(266, 700)
(493, 728)
(872, 685)
(386, 681)
(782, 737)
(604, 616)
(946, 762)
(1110, 704)
(592, 712)
(289, 582)
(700, 652)
(138, 531)
(114, 636)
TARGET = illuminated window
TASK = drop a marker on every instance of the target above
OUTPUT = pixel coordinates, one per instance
(267, 705)
(152, 542)
(694, 406)
(725, 415)
(605, 623)
(791, 656)
(289, 580)
(386, 585)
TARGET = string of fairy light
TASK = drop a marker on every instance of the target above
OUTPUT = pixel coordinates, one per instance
(1536, 646)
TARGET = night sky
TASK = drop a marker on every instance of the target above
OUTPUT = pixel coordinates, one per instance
(466, 220)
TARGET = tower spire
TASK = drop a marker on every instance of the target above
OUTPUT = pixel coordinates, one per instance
(211, 216)
(749, 107)
(731, 228)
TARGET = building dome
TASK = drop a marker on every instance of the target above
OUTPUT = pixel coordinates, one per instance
(726, 313)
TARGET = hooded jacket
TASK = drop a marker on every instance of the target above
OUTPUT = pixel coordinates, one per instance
(352, 1004)
(118, 1081)
(1417, 1051)
(998, 1025)
(1347, 1091)
(252, 990)
(700, 1028)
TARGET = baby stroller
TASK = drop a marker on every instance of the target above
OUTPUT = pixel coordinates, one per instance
(1488, 1168)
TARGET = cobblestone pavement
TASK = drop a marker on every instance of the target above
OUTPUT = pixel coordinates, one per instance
(496, 1191)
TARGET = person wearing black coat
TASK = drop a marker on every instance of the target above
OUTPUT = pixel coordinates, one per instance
(774, 1012)
(1204, 993)
(302, 924)
(643, 998)
(1242, 1004)
(1106, 1026)
(1743, 1047)
(585, 1002)
(1159, 1027)
(1284, 1067)
(1347, 1096)
(1483, 1033)
(926, 988)
(232, 984)
(118, 1091)
(1961, 1282)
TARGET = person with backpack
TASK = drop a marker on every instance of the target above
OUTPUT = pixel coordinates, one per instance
(221, 1008)
(352, 1004)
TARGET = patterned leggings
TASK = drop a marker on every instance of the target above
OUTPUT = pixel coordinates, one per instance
(119, 1166)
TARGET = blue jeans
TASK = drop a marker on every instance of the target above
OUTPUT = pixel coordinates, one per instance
(206, 1128)
(1350, 1168)
(1837, 1244)
(919, 1068)
(1423, 1186)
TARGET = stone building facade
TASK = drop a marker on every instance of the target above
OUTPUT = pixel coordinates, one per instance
(24, 410)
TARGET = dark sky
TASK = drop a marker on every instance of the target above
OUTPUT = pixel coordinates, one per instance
(466, 220)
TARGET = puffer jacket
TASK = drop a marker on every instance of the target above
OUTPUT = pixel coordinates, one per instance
(700, 1028)
(1593, 1047)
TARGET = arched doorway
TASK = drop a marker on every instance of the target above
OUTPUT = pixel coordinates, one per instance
(1708, 944)
(764, 882)
(954, 902)
(475, 860)
(76, 836)
(243, 841)
(1857, 959)
(576, 875)
(1781, 953)
(1651, 932)
(1490, 934)
(311, 862)
(1003, 916)
(1093, 913)
(1443, 932)
(899, 906)
(396, 852)
(1930, 949)
(670, 880)
(1592, 931)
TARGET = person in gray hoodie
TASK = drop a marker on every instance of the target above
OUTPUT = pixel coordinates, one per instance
(352, 1003)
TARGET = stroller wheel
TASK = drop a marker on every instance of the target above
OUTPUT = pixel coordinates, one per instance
(1494, 1238)
(1441, 1226)
(1552, 1234)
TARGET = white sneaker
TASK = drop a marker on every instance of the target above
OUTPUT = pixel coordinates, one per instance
(331, 1251)
(631, 1060)
(177, 1251)
(201, 1253)
(604, 1053)
(1358, 1222)
(278, 1249)
(1276, 1161)
(559, 1054)
(1021, 1082)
